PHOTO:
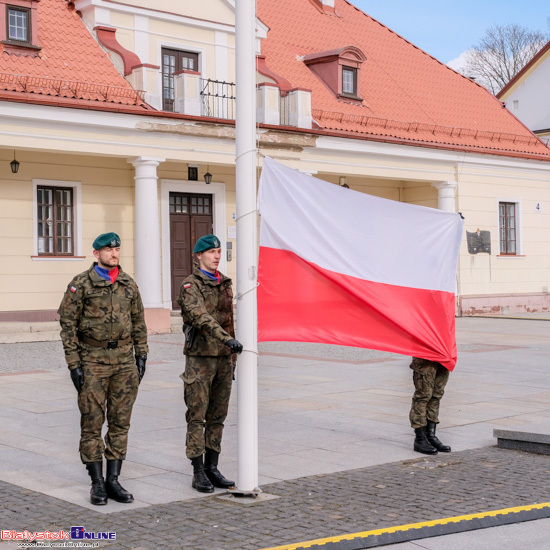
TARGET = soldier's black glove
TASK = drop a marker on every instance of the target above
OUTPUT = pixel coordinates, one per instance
(234, 345)
(77, 376)
(140, 363)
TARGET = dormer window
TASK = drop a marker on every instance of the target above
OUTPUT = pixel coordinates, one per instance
(19, 23)
(339, 70)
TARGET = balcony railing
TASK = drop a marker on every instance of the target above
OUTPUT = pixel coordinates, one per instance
(217, 98)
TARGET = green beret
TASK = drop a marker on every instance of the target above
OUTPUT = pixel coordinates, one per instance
(111, 240)
(206, 243)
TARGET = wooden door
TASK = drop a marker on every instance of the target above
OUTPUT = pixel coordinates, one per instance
(190, 219)
(174, 61)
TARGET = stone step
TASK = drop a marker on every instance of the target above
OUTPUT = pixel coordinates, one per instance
(530, 437)
(22, 331)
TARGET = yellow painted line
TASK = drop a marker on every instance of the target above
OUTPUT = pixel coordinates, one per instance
(443, 521)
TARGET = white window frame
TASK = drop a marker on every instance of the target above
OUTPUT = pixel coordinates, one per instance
(519, 226)
(353, 72)
(27, 19)
(219, 206)
(76, 186)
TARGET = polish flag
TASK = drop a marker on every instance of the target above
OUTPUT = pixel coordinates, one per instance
(341, 267)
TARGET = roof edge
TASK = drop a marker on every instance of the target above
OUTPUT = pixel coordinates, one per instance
(106, 36)
(525, 69)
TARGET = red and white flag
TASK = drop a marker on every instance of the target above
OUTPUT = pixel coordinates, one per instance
(341, 267)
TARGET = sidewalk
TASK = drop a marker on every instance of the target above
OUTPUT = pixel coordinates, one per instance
(334, 443)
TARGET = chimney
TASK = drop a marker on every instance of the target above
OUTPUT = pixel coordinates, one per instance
(326, 5)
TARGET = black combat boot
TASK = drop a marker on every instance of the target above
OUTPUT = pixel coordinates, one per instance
(212, 472)
(114, 489)
(98, 494)
(433, 440)
(421, 444)
(200, 482)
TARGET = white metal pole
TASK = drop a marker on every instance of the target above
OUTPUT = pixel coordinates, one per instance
(247, 369)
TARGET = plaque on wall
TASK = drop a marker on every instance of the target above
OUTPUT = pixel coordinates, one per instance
(479, 241)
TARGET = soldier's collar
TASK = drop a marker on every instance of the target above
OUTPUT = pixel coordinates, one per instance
(100, 281)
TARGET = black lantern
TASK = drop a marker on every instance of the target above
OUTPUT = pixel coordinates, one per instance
(208, 177)
(14, 165)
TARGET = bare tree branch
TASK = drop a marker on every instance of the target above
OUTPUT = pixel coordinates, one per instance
(501, 53)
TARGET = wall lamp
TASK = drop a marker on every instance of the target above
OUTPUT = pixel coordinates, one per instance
(14, 165)
(208, 176)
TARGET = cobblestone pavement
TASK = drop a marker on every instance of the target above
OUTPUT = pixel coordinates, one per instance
(169, 347)
(318, 404)
(312, 507)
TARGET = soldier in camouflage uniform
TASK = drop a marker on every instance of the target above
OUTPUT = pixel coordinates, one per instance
(430, 379)
(206, 301)
(102, 325)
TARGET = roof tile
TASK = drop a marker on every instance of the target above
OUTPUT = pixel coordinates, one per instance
(400, 83)
(71, 64)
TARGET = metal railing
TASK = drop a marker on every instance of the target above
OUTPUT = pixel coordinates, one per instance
(217, 98)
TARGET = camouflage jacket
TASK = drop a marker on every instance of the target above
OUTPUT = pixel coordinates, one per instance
(98, 309)
(207, 306)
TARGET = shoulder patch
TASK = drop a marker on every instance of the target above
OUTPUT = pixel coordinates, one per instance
(73, 289)
(186, 285)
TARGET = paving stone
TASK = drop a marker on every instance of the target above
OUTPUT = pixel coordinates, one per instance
(308, 508)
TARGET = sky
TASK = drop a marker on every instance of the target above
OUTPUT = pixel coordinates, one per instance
(447, 28)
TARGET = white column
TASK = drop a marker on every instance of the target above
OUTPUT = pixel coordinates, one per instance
(267, 107)
(141, 38)
(446, 194)
(147, 246)
(187, 94)
(300, 109)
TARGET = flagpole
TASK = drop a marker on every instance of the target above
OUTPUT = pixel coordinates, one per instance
(247, 367)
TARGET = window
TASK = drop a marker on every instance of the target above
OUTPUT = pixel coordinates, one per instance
(18, 21)
(201, 204)
(174, 61)
(508, 228)
(349, 81)
(54, 219)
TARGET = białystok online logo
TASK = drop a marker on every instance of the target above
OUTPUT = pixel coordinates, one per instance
(80, 533)
(77, 533)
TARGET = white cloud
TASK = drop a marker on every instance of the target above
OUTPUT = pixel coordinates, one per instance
(459, 62)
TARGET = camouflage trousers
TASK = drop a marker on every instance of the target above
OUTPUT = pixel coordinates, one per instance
(430, 379)
(206, 391)
(111, 389)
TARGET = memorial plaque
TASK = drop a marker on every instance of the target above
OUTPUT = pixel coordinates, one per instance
(479, 242)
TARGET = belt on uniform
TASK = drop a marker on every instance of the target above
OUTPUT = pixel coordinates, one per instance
(107, 344)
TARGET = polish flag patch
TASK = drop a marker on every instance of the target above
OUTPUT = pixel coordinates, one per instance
(186, 285)
(73, 289)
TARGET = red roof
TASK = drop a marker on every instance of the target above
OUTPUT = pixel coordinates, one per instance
(408, 96)
(70, 66)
